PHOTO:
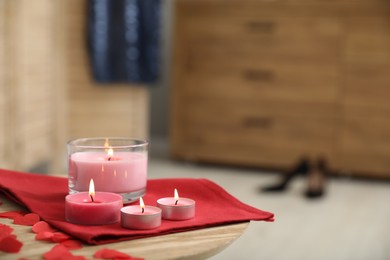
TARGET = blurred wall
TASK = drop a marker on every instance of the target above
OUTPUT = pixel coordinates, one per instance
(28, 107)
(47, 95)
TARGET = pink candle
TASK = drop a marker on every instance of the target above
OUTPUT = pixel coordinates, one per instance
(175, 208)
(104, 209)
(116, 165)
(123, 172)
(140, 217)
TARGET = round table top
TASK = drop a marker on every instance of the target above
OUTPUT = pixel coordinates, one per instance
(196, 244)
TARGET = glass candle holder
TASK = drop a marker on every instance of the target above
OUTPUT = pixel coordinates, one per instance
(117, 165)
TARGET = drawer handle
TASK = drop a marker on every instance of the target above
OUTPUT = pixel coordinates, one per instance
(257, 122)
(259, 75)
(261, 26)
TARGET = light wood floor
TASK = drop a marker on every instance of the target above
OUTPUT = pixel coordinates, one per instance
(351, 222)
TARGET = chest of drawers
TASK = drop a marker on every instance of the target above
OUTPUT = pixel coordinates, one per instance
(264, 83)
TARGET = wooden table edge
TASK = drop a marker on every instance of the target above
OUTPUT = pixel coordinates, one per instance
(195, 244)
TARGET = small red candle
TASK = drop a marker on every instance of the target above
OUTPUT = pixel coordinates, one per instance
(176, 208)
(90, 208)
(140, 217)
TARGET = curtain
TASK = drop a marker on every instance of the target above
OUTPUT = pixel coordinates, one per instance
(123, 40)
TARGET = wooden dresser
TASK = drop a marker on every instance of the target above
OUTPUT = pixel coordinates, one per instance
(264, 83)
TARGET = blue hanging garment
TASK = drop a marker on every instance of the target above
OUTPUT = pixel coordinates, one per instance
(123, 40)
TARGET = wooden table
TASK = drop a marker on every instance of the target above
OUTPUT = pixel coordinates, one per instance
(198, 244)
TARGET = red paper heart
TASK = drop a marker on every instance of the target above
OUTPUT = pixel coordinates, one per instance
(113, 254)
(42, 226)
(72, 244)
(27, 220)
(10, 244)
(46, 236)
(5, 231)
(12, 214)
(55, 237)
(59, 237)
(60, 252)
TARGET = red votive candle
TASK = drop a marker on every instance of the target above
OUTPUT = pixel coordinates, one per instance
(105, 209)
(140, 216)
(175, 208)
(90, 208)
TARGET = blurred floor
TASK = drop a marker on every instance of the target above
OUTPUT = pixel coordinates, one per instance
(351, 222)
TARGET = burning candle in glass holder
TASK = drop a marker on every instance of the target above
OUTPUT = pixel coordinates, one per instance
(117, 165)
(176, 208)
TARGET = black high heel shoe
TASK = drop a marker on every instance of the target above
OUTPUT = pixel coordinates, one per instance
(301, 168)
(316, 179)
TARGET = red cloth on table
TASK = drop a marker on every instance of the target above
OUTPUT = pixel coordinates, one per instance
(45, 196)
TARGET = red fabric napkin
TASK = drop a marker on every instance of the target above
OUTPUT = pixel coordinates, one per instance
(45, 196)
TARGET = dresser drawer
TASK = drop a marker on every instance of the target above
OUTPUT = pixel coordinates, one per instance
(264, 129)
(368, 61)
(367, 39)
(264, 36)
(264, 80)
(364, 144)
(368, 84)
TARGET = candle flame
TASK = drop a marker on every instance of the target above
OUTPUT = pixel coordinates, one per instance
(110, 153)
(91, 188)
(142, 204)
(176, 196)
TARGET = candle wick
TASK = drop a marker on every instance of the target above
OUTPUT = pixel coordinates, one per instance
(143, 210)
(176, 202)
(91, 197)
(109, 158)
